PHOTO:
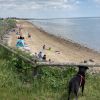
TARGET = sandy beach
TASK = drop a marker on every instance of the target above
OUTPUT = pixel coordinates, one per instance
(62, 51)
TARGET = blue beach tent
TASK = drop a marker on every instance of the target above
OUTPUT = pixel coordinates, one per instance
(20, 43)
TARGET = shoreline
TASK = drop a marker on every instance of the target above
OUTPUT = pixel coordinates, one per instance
(69, 50)
(72, 42)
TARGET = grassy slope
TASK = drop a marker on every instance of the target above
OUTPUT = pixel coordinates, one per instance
(51, 84)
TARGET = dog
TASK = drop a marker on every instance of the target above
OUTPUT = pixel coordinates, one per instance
(77, 81)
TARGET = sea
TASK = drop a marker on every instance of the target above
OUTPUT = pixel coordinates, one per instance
(84, 31)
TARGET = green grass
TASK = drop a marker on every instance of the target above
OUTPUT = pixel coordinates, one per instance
(50, 84)
(17, 82)
(6, 25)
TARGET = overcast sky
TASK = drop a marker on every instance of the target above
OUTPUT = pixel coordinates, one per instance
(49, 8)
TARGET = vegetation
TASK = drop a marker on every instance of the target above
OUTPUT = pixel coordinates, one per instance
(18, 83)
(6, 25)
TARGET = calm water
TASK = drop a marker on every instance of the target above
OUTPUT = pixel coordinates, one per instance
(85, 31)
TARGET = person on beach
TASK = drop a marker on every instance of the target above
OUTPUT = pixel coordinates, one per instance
(17, 33)
(43, 47)
(20, 42)
(21, 34)
(49, 60)
(36, 55)
(20, 37)
(42, 51)
(29, 35)
(40, 55)
(44, 58)
(19, 30)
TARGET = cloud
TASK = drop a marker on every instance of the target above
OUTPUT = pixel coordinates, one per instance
(38, 4)
(97, 1)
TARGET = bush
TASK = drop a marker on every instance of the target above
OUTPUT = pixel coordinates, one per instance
(6, 25)
(49, 83)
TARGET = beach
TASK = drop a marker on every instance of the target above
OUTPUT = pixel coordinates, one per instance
(57, 49)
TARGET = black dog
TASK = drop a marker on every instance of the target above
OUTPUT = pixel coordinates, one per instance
(77, 81)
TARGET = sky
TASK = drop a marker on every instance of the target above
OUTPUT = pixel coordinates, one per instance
(49, 8)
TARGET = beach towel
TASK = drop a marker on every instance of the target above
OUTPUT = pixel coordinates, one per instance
(27, 48)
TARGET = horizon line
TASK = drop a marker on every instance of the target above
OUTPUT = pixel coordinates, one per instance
(26, 18)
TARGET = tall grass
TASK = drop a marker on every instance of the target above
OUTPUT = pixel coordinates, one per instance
(18, 83)
(6, 25)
